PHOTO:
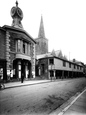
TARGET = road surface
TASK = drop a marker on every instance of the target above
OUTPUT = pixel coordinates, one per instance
(40, 98)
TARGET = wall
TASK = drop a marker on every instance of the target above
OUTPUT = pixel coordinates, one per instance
(45, 62)
(41, 46)
(58, 65)
(2, 44)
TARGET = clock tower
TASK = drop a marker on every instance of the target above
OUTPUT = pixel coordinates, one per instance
(17, 15)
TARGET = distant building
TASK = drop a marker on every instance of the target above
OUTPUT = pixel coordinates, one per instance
(42, 41)
(55, 65)
(17, 48)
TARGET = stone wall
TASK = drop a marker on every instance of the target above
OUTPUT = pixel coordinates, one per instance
(41, 46)
(2, 44)
(45, 62)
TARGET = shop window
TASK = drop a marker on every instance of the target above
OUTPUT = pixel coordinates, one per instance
(64, 63)
(51, 61)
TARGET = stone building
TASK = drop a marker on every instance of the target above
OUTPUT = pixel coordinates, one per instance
(17, 48)
(42, 41)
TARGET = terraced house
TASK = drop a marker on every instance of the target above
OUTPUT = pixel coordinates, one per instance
(17, 48)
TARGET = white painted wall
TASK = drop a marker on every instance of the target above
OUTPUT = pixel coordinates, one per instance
(58, 65)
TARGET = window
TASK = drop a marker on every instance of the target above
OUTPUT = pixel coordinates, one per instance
(74, 66)
(64, 63)
(28, 48)
(77, 67)
(69, 65)
(80, 68)
(51, 61)
(18, 45)
(23, 47)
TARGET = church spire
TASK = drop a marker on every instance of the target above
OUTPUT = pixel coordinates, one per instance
(41, 29)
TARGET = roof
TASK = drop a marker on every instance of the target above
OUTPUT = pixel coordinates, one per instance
(55, 54)
(19, 30)
(2, 28)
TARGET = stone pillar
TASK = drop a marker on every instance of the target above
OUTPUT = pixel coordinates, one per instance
(68, 74)
(33, 60)
(8, 54)
(62, 74)
(72, 74)
(39, 71)
(54, 75)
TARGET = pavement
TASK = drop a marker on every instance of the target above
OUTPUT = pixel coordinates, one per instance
(76, 105)
(25, 83)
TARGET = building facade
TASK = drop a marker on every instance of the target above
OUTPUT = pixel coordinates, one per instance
(50, 65)
(17, 48)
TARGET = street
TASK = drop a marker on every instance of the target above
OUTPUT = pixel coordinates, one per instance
(40, 98)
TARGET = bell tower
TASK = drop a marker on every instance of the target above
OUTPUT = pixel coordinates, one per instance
(17, 15)
(42, 41)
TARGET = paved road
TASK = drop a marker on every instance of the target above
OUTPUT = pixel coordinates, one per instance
(40, 98)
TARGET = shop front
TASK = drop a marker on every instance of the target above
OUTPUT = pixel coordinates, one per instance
(22, 67)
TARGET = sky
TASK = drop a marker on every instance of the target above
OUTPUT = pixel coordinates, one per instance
(64, 23)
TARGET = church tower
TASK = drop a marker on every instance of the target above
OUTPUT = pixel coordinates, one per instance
(42, 42)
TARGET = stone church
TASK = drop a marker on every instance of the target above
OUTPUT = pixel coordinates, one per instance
(42, 41)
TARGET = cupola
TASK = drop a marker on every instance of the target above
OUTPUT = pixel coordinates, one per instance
(17, 15)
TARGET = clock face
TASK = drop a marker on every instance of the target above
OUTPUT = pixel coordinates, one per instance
(13, 11)
(19, 11)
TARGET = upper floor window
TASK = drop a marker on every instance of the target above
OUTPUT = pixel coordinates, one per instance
(80, 68)
(19, 46)
(64, 63)
(74, 66)
(77, 67)
(29, 47)
(51, 61)
(23, 47)
(69, 65)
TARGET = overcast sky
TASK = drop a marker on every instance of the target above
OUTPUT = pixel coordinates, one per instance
(64, 23)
